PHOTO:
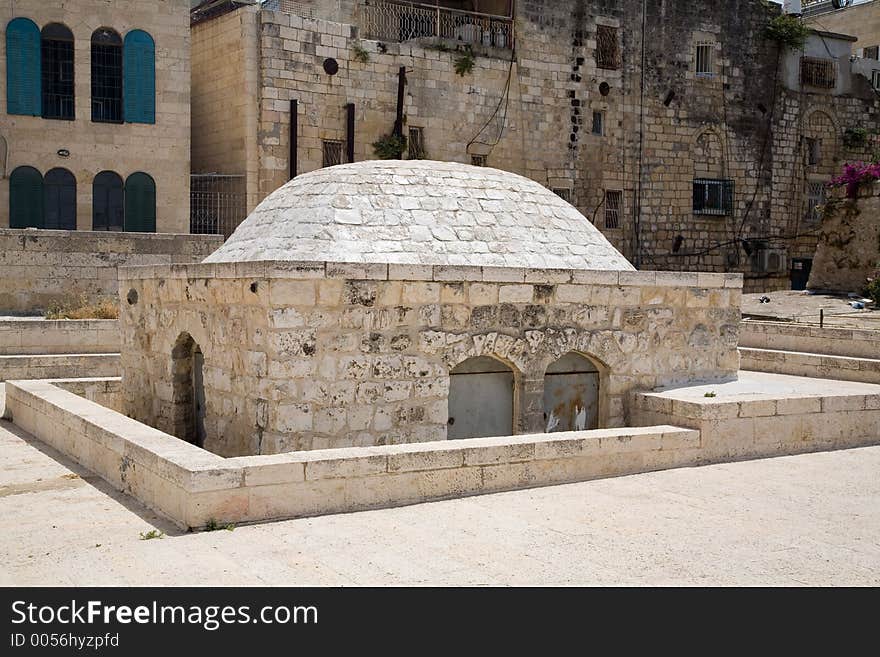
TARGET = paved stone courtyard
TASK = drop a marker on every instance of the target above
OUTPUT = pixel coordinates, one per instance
(801, 520)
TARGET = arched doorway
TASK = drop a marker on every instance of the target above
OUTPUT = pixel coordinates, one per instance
(188, 390)
(480, 399)
(59, 204)
(571, 394)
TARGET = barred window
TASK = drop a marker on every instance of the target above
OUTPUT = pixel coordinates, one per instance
(478, 160)
(416, 144)
(563, 192)
(613, 208)
(607, 50)
(705, 59)
(815, 198)
(332, 152)
(875, 80)
(57, 65)
(598, 123)
(106, 76)
(871, 52)
(818, 72)
(813, 151)
(713, 197)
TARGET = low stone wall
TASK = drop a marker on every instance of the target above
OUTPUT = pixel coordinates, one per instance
(41, 267)
(858, 343)
(816, 366)
(325, 355)
(191, 486)
(58, 366)
(59, 336)
(103, 391)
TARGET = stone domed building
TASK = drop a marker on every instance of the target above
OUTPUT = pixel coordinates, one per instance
(390, 302)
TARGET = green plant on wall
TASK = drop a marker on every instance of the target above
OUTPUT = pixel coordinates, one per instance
(464, 63)
(359, 53)
(787, 31)
(855, 137)
(389, 147)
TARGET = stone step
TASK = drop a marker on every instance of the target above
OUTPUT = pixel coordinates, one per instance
(58, 366)
(815, 366)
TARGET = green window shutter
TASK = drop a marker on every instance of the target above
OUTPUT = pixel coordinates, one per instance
(59, 192)
(699, 196)
(23, 68)
(140, 203)
(108, 206)
(26, 198)
(139, 77)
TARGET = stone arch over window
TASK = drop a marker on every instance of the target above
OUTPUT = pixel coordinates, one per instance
(59, 191)
(821, 142)
(481, 399)
(23, 76)
(188, 390)
(708, 155)
(572, 394)
(57, 72)
(106, 76)
(140, 203)
(26, 198)
(139, 77)
(108, 202)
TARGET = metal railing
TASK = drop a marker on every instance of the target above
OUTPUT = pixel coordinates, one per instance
(328, 10)
(392, 20)
(218, 203)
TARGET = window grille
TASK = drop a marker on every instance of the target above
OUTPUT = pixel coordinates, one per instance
(563, 192)
(332, 152)
(871, 52)
(714, 197)
(106, 76)
(57, 72)
(598, 123)
(815, 198)
(416, 144)
(818, 72)
(607, 51)
(217, 203)
(613, 208)
(478, 160)
(705, 59)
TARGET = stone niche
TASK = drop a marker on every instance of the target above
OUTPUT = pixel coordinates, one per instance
(300, 356)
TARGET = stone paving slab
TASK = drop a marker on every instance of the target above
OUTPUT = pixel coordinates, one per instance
(803, 520)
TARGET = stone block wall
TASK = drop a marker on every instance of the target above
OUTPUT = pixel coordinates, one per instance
(856, 343)
(320, 355)
(40, 267)
(160, 150)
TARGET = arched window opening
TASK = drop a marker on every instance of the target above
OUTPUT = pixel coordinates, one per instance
(139, 73)
(140, 203)
(57, 72)
(571, 394)
(108, 202)
(26, 198)
(59, 190)
(480, 399)
(23, 67)
(188, 390)
(106, 76)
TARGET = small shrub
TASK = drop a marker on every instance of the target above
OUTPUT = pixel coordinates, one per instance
(150, 535)
(360, 53)
(873, 290)
(82, 308)
(710, 394)
(856, 174)
(389, 147)
(855, 137)
(787, 31)
(464, 63)
(212, 526)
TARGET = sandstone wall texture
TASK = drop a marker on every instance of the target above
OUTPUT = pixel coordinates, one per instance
(849, 244)
(161, 150)
(301, 356)
(662, 125)
(40, 267)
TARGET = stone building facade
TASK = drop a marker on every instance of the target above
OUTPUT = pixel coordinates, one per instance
(618, 112)
(96, 121)
(266, 347)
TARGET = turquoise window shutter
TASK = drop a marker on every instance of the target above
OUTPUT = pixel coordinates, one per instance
(23, 69)
(26, 199)
(140, 203)
(139, 77)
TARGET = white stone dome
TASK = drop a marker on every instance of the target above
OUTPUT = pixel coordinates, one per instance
(420, 212)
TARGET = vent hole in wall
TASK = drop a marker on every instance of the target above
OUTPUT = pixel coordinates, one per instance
(132, 297)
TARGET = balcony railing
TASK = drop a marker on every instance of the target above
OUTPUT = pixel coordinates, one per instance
(389, 20)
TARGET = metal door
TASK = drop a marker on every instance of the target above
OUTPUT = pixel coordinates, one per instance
(480, 399)
(199, 396)
(571, 395)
